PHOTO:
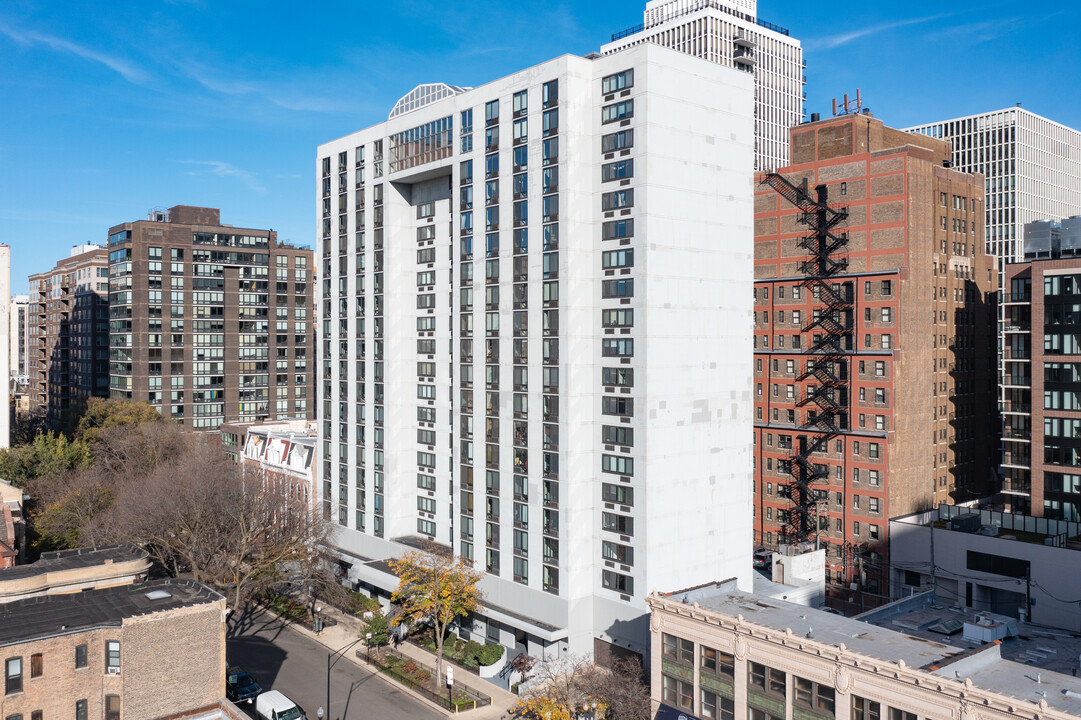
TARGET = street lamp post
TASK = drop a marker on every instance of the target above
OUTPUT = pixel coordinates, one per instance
(333, 658)
(368, 644)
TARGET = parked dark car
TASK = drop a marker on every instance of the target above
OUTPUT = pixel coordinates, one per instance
(240, 686)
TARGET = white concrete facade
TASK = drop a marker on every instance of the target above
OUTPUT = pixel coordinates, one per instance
(729, 32)
(523, 346)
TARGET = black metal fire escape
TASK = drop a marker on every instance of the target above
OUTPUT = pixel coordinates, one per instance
(826, 402)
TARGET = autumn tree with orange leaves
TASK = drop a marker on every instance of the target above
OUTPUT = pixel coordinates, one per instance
(436, 588)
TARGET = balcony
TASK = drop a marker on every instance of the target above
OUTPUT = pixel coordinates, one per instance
(1011, 486)
(1019, 434)
(1017, 459)
(1016, 298)
(1016, 407)
(744, 58)
(742, 40)
(1017, 380)
(1013, 325)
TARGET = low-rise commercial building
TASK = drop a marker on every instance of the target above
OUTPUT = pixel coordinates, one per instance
(721, 653)
(989, 561)
(137, 652)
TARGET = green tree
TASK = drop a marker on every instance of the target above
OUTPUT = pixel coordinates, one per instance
(379, 628)
(102, 414)
(49, 454)
(436, 588)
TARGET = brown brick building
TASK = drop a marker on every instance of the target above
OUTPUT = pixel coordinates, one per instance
(137, 652)
(208, 322)
(68, 357)
(1041, 382)
(874, 343)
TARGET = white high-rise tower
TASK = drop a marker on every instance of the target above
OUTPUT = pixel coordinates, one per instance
(729, 32)
(535, 327)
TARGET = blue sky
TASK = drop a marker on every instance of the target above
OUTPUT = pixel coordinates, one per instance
(109, 109)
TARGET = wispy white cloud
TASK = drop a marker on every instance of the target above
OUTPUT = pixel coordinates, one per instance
(278, 96)
(833, 41)
(981, 31)
(226, 170)
(129, 71)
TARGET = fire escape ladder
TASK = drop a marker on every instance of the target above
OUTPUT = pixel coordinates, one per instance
(825, 404)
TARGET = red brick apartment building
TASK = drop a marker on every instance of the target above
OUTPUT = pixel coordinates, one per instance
(874, 344)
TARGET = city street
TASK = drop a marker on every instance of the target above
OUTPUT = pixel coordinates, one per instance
(281, 658)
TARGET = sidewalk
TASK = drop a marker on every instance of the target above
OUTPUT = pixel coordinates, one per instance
(349, 628)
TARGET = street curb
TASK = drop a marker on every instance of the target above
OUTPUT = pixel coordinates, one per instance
(363, 666)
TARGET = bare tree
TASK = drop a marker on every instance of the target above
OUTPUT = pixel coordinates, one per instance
(569, 685)
(179, 497)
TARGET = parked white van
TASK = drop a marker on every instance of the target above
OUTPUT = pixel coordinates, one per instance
(272, 705)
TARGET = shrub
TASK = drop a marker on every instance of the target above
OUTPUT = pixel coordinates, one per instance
(358, 604)
(490, 655)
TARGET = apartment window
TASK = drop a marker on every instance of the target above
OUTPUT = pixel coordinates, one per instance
(36, 668)
(550, 93)
(717, 707)
(621, 140)
(112, 655)
(618, 582)
(716, 662)
(617, 170)
(895, 713)
(112, 707)
(80, 710)
(814, 695)
(864, 709)
(13, 676)
(617, 523)
(80, 656)
(678, 693)
(676, 648)
(617, 82)
(766, 679)
(887, 288)
(618, 494)
(617, 111)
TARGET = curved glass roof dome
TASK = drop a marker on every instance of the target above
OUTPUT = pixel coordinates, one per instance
(423, 95)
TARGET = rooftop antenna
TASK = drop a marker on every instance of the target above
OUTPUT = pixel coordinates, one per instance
(847, 106)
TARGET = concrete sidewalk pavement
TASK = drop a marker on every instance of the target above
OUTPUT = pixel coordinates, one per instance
(349, 630)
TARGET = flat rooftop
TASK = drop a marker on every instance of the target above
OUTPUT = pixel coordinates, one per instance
(78, 558)
(50, 615)
(1038, 665)
(1041, 648)
(822, 626)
